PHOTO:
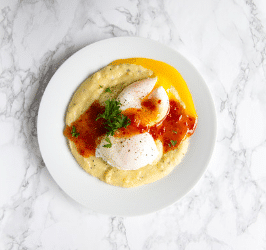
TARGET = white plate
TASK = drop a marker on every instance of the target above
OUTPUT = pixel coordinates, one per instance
(91, 192)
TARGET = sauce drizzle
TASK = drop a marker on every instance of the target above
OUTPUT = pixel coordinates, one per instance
(174, 128)
(89, 130)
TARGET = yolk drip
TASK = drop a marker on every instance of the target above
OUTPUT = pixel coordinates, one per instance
(167, 76)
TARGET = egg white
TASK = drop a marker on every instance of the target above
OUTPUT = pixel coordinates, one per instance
(139, 150)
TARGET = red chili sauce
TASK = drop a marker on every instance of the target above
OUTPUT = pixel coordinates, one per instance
(89, 130)
(176, 126)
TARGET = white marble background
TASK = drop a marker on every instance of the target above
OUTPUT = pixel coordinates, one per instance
(224, 39)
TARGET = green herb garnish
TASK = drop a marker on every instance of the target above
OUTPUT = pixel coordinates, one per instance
(74, 132)
(109, 143)
(113, 117)
(108, 90)
(173, 143)
(175, 132)
(101, 86)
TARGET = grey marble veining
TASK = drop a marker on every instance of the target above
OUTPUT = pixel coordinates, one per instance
(225, 40)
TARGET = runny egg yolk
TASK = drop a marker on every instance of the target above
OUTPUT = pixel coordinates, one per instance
(167, 76)
(148, 103)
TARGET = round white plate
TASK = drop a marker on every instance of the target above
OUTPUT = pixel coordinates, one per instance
(91, 192)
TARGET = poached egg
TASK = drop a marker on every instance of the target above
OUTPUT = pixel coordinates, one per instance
(131, 153)
(133, 95)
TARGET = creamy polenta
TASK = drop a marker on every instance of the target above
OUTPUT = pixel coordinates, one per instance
(116, 77)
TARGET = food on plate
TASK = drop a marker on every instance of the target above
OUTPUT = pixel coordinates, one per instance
(129, 123)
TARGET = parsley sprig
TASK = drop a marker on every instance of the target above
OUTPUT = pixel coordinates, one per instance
(114, 120)
(74, 132)
(173, 143)
(108, 90)
(113, 117)
(109, 145)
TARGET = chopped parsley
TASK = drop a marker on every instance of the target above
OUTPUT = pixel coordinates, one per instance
(113, 117)
(173, 143)
(108, 90)
(175, 132)
(109, 145)
(101, 86)
(74, 132)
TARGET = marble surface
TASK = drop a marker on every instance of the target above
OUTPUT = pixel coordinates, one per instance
(226, 42)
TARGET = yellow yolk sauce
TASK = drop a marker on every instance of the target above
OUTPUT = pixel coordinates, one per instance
(167, 76)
